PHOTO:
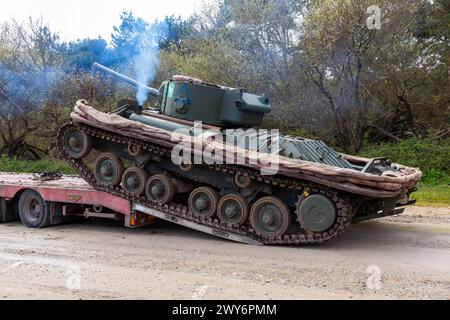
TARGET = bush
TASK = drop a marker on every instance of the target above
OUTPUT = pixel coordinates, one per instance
(431, 157)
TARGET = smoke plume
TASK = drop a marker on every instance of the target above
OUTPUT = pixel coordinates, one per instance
(146, 62)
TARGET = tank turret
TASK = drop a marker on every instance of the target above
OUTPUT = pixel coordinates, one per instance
(191, 99)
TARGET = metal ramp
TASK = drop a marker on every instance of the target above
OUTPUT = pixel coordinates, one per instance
(196, 226)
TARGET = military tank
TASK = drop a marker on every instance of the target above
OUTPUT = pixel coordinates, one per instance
(272, 188)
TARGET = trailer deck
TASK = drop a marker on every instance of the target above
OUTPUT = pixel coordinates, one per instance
(66, 197)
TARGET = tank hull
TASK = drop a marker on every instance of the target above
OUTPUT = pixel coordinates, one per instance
(303, 203)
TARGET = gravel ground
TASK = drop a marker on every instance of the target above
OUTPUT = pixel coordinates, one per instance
(404, 257)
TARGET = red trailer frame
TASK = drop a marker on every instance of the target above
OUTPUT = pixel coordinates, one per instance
(70, 196)
(73, 196)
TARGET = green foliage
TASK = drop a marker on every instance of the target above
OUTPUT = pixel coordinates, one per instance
(44, 165)
(431, 157)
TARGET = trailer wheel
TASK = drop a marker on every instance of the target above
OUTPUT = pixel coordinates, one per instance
(34, 212)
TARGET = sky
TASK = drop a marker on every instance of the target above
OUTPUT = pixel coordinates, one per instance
(78, 19)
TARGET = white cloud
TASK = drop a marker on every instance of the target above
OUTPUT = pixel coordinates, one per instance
(75, 19)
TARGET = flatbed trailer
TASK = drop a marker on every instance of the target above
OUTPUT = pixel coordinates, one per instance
(40, 201)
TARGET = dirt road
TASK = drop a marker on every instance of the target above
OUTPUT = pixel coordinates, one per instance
(404, 257)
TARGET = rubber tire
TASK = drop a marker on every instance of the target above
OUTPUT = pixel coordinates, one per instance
(44, 220)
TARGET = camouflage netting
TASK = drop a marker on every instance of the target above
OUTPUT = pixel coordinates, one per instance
(391, 184)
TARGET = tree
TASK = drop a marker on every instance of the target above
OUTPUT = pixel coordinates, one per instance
(27, 75)
(263, 34)
(82, 54)
(250, 44)
(432, 29)
(172, 32)
(39, 86)
(127, 38)
(343, 58)
(328, 75)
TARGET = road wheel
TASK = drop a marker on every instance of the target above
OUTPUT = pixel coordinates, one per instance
(109, 170)
(34, 212)
(203, 202)
(78, 143)
(270, 217)
(233, 209)
(134, 180)
(160, 189)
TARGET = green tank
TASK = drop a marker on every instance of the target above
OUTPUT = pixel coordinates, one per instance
(311, 195)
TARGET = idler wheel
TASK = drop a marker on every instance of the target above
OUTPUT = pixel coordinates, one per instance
(317, 213)
(203, 202)
(270, 217)
(78, 143)
(109, 170)
(134, 180)
(160, 189)
(233, 209)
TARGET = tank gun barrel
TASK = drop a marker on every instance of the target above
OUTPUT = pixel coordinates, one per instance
(154, 92)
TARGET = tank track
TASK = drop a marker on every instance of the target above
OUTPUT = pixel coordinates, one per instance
(342, 201)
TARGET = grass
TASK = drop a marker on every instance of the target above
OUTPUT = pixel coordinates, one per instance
(44, 165)
(432, 195)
